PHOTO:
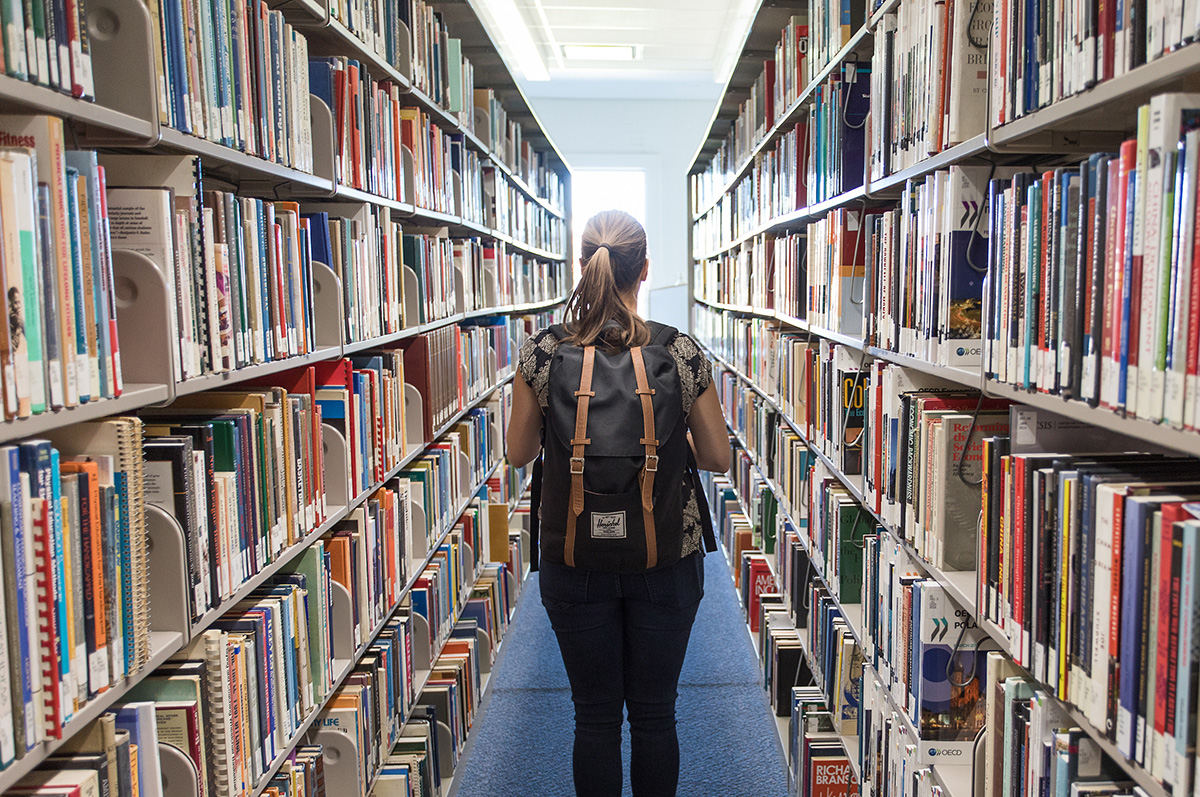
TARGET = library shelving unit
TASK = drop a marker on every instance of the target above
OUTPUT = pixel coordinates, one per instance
(736, 216)
(523, 217)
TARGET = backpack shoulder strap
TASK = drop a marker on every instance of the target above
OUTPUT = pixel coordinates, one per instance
(661, 334)
(559, 331)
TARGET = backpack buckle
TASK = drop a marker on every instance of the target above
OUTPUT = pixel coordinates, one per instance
(580, 461)
(652, 463)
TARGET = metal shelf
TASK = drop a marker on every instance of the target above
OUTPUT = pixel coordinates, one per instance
(1159, 434)
(133, 397)
(970, 148)
(199, 384)
(959, 376)
(791, 218)
(43, 99)
(1108, 107)
(345, 192)
(241, 167)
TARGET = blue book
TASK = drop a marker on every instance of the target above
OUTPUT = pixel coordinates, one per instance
(20, 611)
(84, 161)
(139, 719)
(75, 245)
(1033, 282)
(853, 109)
(1135, 557)
(306, 285)
(320, 79)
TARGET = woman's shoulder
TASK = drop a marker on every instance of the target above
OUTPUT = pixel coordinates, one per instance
(684, 347)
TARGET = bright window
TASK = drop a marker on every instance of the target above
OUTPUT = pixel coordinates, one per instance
(594, 190)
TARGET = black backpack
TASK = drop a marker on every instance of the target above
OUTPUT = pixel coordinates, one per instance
(615, 457)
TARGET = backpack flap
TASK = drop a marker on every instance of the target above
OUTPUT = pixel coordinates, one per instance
(615, 411)
(617, 482)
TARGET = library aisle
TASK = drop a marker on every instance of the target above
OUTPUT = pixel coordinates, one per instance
(727, 739)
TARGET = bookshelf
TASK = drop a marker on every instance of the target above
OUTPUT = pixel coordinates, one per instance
(735, 236)
(528, 199)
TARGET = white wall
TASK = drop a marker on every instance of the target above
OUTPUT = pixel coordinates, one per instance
(659, 136)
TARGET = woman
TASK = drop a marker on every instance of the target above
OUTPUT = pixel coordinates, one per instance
(622, 635)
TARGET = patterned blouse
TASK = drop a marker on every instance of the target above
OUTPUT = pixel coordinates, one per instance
(695, 375)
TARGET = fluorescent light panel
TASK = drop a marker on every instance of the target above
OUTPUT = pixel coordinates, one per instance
(517, 42)
(599, 52)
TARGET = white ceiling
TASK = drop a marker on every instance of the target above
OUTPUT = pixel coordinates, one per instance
(674, 40)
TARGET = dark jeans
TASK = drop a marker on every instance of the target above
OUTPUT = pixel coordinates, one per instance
(623, 638)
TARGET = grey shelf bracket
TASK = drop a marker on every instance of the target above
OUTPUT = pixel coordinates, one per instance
(144, 298)
(120, 40)
(169, 573)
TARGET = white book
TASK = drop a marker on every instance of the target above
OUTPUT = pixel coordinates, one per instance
(1166, 111)
(1176, 388)
(1097, 712)
(18, 385)
(1155, 18)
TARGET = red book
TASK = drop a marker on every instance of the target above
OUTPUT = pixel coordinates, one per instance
(1018, 569)
(1047, 274)
(831, 776)
(761, 581)
(43, 551)
(1167, 646)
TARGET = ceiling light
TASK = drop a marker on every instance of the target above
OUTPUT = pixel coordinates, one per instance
(517, 42)
(599, 52)
(742, 20)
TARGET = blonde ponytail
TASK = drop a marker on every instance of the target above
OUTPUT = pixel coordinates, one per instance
(614, 252)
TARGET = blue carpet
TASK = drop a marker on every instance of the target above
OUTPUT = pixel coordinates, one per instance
(521, 745)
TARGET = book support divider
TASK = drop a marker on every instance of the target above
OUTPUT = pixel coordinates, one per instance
(422, 655)
(483, 125)
(409, 167)
(327, 306)
(446, 751)
(483, 641)
(460, 299)
(464, 470)
(345, 646)
(324, 158)
(335, 450)
(420, 542)
(456, 189)
(414, 431)
(169, 574)
(142, 296)
(179, 775)
(490, 288)
(412, 289)
(343, 771)
(120, 42)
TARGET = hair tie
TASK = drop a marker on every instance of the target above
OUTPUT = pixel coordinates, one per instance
(604, 246)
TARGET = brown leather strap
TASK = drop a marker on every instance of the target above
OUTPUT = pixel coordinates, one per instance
(650, 441)
(583, 398)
